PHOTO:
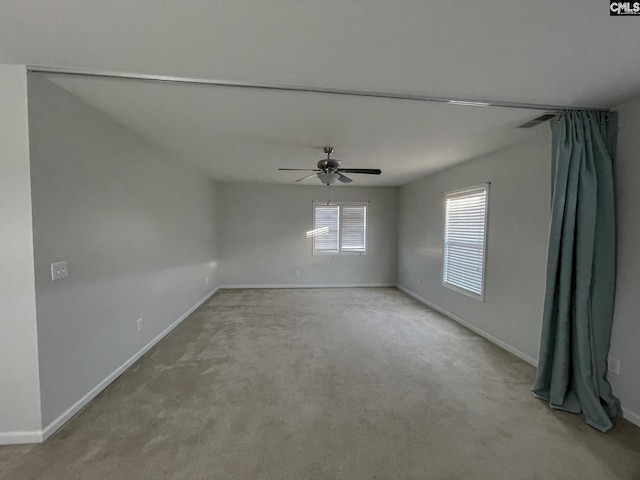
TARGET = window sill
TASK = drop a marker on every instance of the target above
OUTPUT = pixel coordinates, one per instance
(339, 254)
(464, 292)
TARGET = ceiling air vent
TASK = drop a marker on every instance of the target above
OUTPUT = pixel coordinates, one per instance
(538, 120)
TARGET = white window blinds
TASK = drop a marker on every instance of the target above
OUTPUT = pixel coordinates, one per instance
(339, 228)
(354, 228)
(464, 239)
(326, 217)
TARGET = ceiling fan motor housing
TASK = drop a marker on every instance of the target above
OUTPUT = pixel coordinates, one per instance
(329, 165)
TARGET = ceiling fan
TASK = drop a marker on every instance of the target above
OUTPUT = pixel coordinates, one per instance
(329, 170)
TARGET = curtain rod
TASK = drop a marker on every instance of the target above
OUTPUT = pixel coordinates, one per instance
(84, 72)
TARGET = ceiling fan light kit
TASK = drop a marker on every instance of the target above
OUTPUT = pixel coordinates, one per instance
(329, 171)
(328, 178)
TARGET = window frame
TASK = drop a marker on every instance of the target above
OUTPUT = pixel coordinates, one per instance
(461, 192)
(340, 226)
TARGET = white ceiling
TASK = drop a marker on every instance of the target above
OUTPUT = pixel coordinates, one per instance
(245, 135)
(572, 53)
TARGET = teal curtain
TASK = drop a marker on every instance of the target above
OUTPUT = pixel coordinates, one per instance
(580, 289)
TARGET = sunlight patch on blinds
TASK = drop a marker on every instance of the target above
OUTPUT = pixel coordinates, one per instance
(464, 239)
(326, 218)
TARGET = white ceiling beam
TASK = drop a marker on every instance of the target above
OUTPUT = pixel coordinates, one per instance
(82, 72)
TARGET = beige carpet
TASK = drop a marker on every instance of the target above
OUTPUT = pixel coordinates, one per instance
(325, 384)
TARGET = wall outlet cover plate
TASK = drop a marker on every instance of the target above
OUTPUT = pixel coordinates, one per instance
(59, 270)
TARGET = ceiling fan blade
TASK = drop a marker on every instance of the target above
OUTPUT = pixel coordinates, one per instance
(344, 179)
(308, 176)
(370, 171)
(301, 169)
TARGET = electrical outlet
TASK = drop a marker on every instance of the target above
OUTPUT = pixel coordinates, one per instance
(297, 273)
(614, 365)
(59, 270)
(206, 280)
(139, 324)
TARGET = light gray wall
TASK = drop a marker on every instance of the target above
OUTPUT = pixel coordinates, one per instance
(19, 388)
(137, 229)
(625, 342)
(519, 212)
(262, 236)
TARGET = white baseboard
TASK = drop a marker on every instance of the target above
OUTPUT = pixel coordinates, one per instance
(471, 327)
(310, 285)
(633, 417)
(42, 435)
(15, 438)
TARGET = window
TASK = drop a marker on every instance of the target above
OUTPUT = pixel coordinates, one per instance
(339, 228)
(465, 234)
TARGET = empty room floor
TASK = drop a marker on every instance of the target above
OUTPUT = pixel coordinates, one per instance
(325, 384)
